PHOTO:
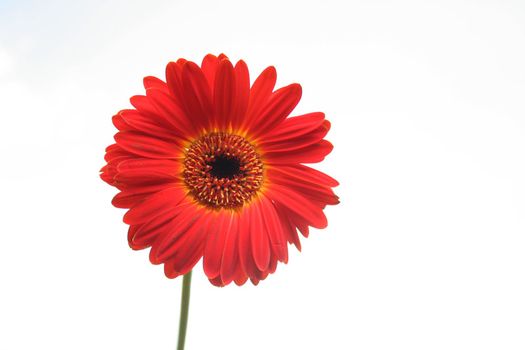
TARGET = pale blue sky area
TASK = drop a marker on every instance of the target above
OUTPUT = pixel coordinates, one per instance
(52, 35)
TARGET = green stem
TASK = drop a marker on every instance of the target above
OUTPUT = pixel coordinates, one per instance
(184, 307)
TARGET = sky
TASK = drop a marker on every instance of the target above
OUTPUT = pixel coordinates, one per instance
(425, 250)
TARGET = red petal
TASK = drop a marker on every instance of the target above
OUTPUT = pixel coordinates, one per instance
(120, 123)
(296, 142)
(303, 173)
(131, 233)
(309, 154)
(153, 126)
(318, 192)
(115, 151)
(197, 96)
(245, 245)
(147, 233)
(240, 276)
(106, 177)
(188, 250)
(154, 82)
(298, 204)
(294, 219)
(273, 264)
(209, 68)
(174, 82)
(178, 267)
(230, 254)
(147, 146)
(144, 106)
(259, 239)
(289, 229)
(155, 204)
(171, 112)
(190, 225)
(133, 195)
(274, 229)
(260, 93)
(219, 230)
(165, 166)
(109, 171)
(242, 89)
(224, 95)
(217, 281)
(294, 127)
(280, 105)
(113, 147)
(146, 171)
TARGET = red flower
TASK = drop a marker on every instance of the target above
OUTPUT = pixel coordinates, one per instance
(211, 167)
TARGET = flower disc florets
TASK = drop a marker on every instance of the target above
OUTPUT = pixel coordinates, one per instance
(222, 170)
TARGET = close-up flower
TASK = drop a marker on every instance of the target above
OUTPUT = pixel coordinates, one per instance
(211, 166)
(367, 196)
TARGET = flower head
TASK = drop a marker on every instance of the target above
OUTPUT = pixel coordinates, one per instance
(211, 167)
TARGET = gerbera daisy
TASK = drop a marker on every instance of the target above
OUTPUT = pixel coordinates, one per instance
(212, 168)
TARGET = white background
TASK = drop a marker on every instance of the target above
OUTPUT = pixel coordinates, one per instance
(426, 250)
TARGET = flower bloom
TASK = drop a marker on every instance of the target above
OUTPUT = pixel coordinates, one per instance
(212, 168)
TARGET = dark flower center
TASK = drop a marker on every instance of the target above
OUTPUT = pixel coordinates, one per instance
(225, 167)
(222, 170)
